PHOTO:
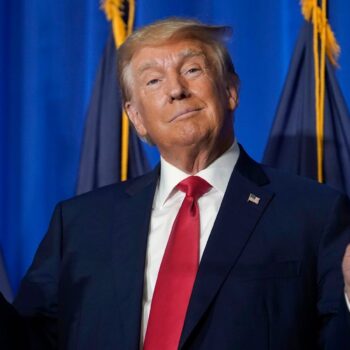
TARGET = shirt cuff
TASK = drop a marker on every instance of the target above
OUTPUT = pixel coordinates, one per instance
(347, 301)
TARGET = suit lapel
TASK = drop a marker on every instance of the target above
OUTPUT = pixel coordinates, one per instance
(233, 227)
(129, 242)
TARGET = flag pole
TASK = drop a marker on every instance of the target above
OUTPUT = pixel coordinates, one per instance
(115, 11)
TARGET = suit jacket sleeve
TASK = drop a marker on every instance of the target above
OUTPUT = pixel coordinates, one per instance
(32, 320)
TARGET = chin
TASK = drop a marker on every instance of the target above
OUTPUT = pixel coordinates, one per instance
(192, 141)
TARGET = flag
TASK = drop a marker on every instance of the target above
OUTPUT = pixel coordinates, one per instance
(101, 156)
(294, 142)
(5, 288)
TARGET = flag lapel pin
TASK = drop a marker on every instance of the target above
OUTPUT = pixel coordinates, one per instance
(253, 199)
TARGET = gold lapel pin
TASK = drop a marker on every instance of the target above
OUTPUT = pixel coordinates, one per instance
(253, 199)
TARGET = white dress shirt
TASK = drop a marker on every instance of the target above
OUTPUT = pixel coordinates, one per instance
(166, 204)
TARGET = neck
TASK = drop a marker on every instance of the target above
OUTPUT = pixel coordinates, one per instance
(193, 159)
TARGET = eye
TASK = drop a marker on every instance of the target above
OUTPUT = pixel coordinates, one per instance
(193, 70)
(153, 82)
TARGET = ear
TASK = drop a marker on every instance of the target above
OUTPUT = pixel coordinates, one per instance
(232, 97)
(135, 118)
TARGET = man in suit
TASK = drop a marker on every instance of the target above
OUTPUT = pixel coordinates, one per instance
(210, 250)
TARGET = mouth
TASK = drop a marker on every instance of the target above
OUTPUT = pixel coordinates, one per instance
(185, 113)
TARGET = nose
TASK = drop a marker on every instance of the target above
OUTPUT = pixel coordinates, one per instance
(177, 88)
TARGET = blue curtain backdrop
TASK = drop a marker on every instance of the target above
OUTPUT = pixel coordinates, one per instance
(49, 53)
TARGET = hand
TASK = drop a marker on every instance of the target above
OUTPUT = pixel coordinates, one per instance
(346, 271)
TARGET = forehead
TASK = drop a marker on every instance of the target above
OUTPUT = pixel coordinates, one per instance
(149, 56)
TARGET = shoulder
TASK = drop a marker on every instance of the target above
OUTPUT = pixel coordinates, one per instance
(104, 196)
(286, 186)
(284, 181)
(303, 194)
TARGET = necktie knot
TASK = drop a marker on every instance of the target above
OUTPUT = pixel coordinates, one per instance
(194, 186)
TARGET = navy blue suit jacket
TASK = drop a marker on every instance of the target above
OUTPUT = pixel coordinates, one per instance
(270, 276)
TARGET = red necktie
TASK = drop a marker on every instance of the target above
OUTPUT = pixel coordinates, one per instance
(177, 271)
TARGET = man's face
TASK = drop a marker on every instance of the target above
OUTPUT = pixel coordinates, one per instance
(177, 99)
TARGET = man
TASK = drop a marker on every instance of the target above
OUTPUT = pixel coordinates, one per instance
(118, 268)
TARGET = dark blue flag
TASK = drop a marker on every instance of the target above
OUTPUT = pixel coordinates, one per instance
(101, 152)
(5, 288)
(292, 145)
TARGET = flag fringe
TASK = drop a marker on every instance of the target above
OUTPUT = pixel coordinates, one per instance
(324, 43)
(311, 11)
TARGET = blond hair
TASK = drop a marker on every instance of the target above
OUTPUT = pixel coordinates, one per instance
(173, 29)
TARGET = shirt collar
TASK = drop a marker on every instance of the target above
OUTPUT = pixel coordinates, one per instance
(217, 174)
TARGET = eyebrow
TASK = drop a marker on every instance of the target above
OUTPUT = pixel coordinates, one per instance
(184, 54)
(188, 53)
